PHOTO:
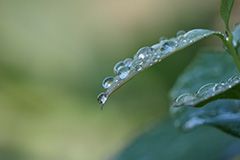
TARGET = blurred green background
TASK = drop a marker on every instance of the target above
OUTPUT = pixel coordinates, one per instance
(54, 56)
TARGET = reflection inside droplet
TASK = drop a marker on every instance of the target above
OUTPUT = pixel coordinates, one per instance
(107, 82)
(102, 98)
(123, 72)
(118, 66)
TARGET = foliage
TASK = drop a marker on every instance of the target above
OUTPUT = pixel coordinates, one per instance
(207, 93)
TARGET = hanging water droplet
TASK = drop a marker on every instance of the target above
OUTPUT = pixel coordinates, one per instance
(107, 82)
(180, 33)
(127, 61)
(168, 46)
(102, 98)
(123, 72)
(137, 64)
(118, 66)
(205, 90)
(185, 98)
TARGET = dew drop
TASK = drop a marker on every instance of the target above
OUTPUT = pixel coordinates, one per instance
(218, 87)
(162, 39)
(127, 61)
(107, 82)
(156, 59)
(234, 80)
(144, 53)
(205, 90)
(185, 98)
(168, 46)
(180, 33)
(102, 98)
(137, 64)
(123, 72)
(118, 66)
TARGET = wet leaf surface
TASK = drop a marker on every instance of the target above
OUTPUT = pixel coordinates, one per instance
(148, 56)
(208, 69)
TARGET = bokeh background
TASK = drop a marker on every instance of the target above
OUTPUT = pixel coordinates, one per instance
(54, 56)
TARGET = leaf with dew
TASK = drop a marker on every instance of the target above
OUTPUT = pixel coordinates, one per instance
(213, 70)
(147, 56)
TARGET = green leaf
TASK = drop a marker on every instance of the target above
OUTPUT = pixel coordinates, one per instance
(223, 114)
(236, 36)
(225, 10)
(147, 56)
(166, 143)
(210, 92)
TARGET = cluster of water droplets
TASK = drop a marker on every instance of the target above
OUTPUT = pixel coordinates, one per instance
(206, 91)
(144, 58)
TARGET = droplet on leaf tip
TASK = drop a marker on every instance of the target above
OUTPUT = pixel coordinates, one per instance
(102, 98)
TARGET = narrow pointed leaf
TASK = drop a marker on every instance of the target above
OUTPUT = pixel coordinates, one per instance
(225, 10)
(147, 56)
(223, 114)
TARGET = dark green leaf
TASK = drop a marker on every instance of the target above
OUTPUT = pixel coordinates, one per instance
(147, 56)
(164, 142)
(225, 10)
(224, 114)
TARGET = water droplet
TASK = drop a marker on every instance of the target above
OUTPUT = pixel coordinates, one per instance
(180, 33)
(156, 59)
(118, 66)
(107, 82)
(234, 80)
(137, 64)
(144, 53)
(127, 61)
(205, 90)
(162, 39)
(123, 72)
(219, 87)
(102, 98)
(185, 98)
(168, 46)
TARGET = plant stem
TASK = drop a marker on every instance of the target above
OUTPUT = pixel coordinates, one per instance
(229, 44)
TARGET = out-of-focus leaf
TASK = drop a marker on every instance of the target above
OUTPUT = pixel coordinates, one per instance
(147, 56)
(223, 114)
(236, 35)
(165, 142)
(225, 10)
